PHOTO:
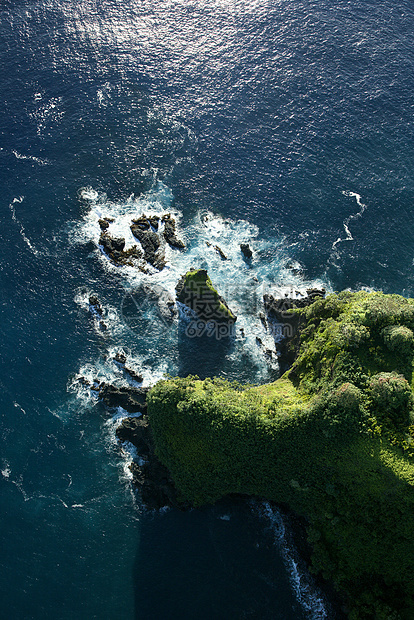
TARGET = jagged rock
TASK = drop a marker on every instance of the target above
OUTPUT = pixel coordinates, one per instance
(132, 399)
(120, 357)
(95, 305)
(220, 252)
(104, 224)
(170, 232)
(280, 307)
(134, 375)
(246, 251)
(142, 222)
(154, 221)
(136, 431)
(151, 244)
(151, 478)
(285, 323)
(196, 291)
(111, 244)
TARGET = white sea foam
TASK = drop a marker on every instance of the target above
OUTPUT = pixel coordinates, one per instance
(242, 283)
(306, 592)
(37, 160)
(19, 200)
(350, 218)
(6, 469)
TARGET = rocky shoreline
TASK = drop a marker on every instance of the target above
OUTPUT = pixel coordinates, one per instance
(150, 477)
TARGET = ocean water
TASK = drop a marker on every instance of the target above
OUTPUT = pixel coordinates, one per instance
(285, 124)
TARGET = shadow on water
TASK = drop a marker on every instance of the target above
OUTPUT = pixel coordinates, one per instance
(211, 563)
(203, 354)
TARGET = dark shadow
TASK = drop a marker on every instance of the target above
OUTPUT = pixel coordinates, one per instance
(211, 564)
(200, 353)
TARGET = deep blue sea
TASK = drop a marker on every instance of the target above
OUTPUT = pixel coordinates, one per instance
(287, 124)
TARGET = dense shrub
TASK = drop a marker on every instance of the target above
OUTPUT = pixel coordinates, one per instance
(399, 338)
(391, 398)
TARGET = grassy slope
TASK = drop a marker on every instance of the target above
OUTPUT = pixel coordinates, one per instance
(331, 438)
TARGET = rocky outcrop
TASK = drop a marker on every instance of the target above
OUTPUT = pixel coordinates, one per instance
(246, 250)
(151, 478)
(146, 230)
(111, 245)
(95, 305)
(120, 358)
(169, 232)
(196, 291)
(284, 323)
(132, 399)
(150, 241)
(113, 248)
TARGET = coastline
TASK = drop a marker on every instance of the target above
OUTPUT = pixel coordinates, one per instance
(330, 405)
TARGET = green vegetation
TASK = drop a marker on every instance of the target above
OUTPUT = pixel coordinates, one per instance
(332, 438)
(196, 290)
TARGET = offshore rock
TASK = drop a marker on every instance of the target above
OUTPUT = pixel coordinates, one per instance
(113, 247)
(141, 222)
(95, 305)
(197, 292)
(111, 244)
(246, 251)
(220, 252)
(135, 376)
(151, 244)
(170, 232)
(120, 359)
(154, 221)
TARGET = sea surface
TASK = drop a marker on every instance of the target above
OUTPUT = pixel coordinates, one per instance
(286, 124)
